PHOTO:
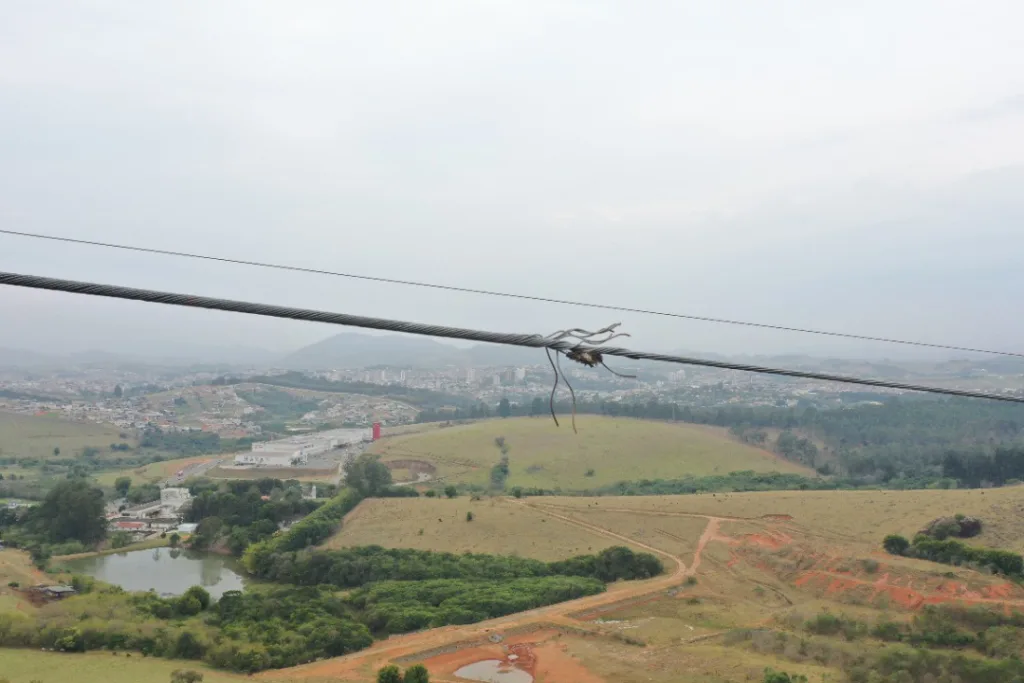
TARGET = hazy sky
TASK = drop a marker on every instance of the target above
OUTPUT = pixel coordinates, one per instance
(848, 166)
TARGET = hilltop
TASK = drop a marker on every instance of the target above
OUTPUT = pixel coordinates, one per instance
(606, 450)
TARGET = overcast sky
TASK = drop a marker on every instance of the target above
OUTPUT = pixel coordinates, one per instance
(848, 166)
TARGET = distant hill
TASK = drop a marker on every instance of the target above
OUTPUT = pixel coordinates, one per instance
(180, 356)
(16, 358)
(348, 350)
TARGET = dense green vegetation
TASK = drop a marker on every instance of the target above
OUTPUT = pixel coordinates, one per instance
(402, 606)
(279, 407)
(241, 632)
(734, 481)
(244, 512)
(359, 566)
(417, 673)
(954, 552)
(187, 444)
(69, 519)
(314, 528)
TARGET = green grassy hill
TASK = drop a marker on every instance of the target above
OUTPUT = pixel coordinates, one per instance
(29, 436)
(609, 449)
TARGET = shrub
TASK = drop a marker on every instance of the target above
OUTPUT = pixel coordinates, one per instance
(389, 674)
(772, 676)
(895, 544)
(417, 673)
(120, 539)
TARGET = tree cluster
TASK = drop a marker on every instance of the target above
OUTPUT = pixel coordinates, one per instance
(956, 553)
(403, 606)
(358, 566)
(311, 530)
(244, 512)
(70, 518)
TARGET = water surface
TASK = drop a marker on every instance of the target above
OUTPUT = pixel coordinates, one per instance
(493, 671)
(168, 571)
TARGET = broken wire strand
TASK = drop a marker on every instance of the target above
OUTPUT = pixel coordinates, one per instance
(584, 355)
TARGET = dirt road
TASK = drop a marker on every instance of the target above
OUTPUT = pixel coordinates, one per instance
(358, 665)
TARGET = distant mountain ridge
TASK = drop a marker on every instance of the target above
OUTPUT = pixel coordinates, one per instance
(347, 350)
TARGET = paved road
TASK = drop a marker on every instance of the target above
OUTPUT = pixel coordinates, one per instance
(196, 470)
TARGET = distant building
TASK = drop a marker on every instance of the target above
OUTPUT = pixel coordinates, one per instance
(520, 374)
(470, 375)
(262, 459)
(297, 450)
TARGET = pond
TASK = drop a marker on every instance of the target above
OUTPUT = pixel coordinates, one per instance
(493, 671)
(167, 571)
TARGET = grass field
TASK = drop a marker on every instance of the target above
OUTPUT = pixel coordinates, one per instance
(499, 526)
(612, 449)
(27, 436)
(152, 473)
(24, 666)
(853, 517)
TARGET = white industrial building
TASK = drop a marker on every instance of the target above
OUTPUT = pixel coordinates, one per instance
(297, 450)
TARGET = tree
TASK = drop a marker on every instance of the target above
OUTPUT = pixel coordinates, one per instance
(450, 491)
(200, 594)
(367, 474)
(118, 391)
(238, 540)
(389, 674)
(174, 540)
(417, 673)
(56, 452)
(207, 532)
(120, 539)
(771, 676)
(895, 544)
(504, 409)
(73, 510)
(186, 676)
(469, 516)
(121, 485)
(537, 407)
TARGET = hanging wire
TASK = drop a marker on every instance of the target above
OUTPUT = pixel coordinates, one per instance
(507, 295)
(534, 341)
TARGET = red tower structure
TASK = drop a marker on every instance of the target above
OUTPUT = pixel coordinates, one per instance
(376, 431)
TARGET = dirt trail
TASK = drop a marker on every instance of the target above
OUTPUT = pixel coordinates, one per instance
(356, 664)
